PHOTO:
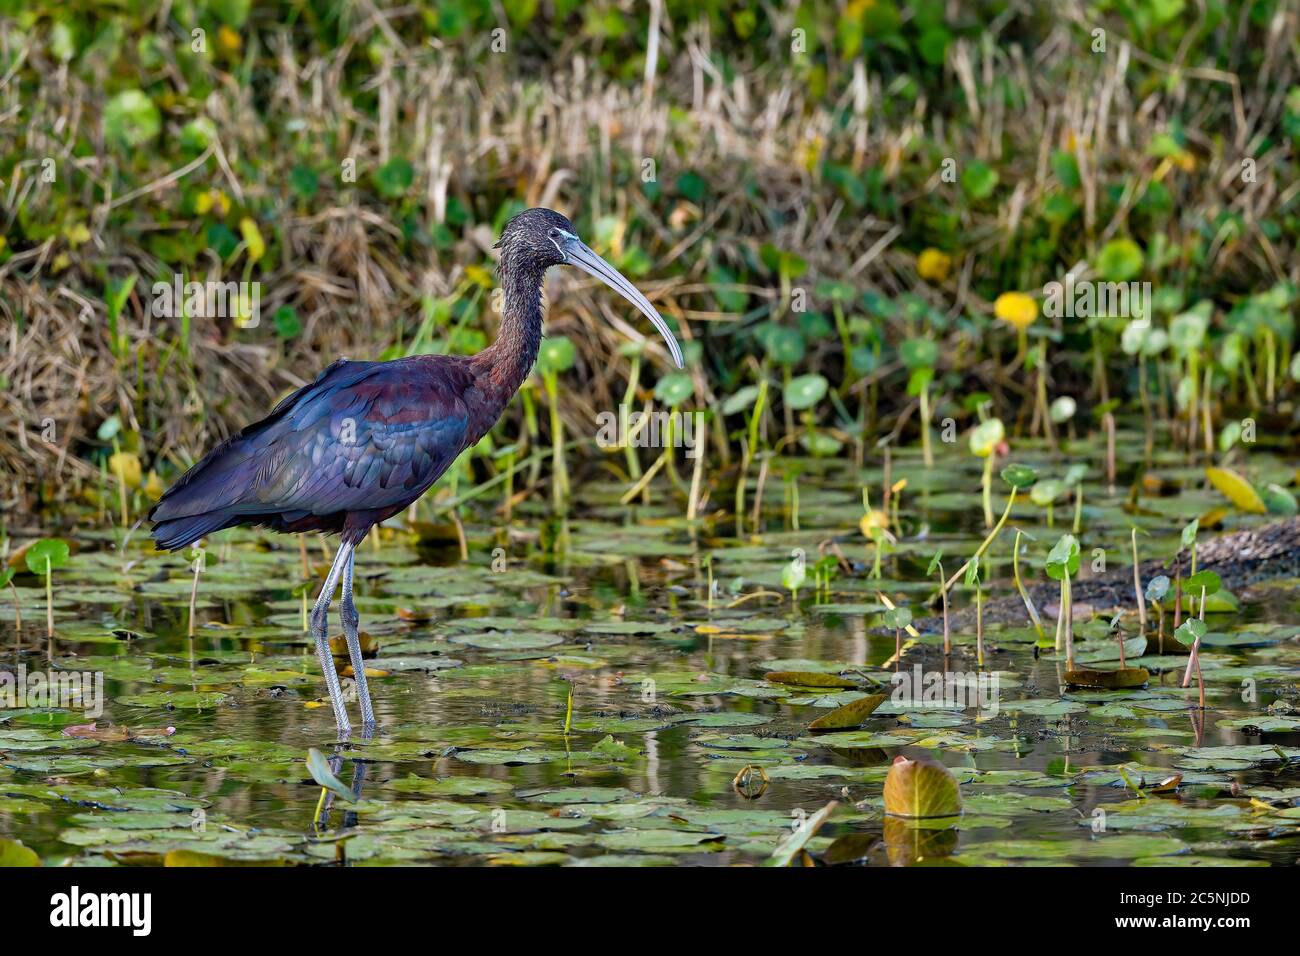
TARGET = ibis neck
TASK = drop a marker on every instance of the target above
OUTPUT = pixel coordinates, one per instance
(505, 363)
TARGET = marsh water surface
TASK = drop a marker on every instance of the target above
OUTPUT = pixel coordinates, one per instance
(677, 749)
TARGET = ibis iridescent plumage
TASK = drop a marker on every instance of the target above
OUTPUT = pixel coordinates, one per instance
(366, 439)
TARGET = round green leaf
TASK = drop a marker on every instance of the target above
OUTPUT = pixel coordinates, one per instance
(919, 353)
(556, 354)
(978, 180)
(1120, 260)
(47, 554)
(805, 391)
(1019, 477)
(1063, 559)
(785, 346)
(1046, 491)
(1190, 631)
(131, 120)
(674, 389)
(1157, 587)
(740, 400)
(1062, 410)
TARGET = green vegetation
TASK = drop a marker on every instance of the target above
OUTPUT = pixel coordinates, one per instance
(205, 146)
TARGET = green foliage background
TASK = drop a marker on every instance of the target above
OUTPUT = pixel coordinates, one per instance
(797, 153)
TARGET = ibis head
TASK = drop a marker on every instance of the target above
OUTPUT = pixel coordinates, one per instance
(537, 239)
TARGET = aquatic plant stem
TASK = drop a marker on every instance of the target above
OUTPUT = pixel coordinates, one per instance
(121, 482)
(1069, 622)
(18, 614)
(49, 598)
(1137, 586)
(1043, 412)
(1024, 594)
(927, 454)
(943, 596)
(987, 490)
(1194, 660)
(629, 453)
(559, 472)
(1178, 600)
(1108, 421)
(697, 478)
(194, 591)
(984, 545)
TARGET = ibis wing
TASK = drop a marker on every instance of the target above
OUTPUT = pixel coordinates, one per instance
(364, 435)
(376, 444)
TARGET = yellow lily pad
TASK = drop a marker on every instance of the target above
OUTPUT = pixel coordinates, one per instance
(849, 716)
(921, 788)
(1237, 490)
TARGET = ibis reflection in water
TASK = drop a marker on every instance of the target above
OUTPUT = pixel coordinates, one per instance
(366, 439)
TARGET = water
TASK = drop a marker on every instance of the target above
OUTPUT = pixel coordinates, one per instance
(471, 762)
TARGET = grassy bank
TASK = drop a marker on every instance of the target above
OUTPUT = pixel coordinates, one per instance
(810, 198)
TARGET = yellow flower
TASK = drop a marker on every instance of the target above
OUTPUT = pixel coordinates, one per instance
(479, 276)
(77, 234)
(872, 523)
(125, 467)
(228, 41)
(933, 265)
(153, 487)
(1017, 308)
(253, 240)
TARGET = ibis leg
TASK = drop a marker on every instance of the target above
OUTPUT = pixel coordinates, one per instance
(320, 631)
(351, 631)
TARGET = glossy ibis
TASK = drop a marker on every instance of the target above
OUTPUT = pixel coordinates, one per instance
(366, 439)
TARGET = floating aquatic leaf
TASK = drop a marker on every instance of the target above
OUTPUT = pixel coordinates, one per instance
(14, 853)
(1108, 679)
(852, 714)
(808, 679)
(921, 787)
(1236, 489)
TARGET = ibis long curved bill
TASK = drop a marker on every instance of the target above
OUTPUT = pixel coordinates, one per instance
(578, 253)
